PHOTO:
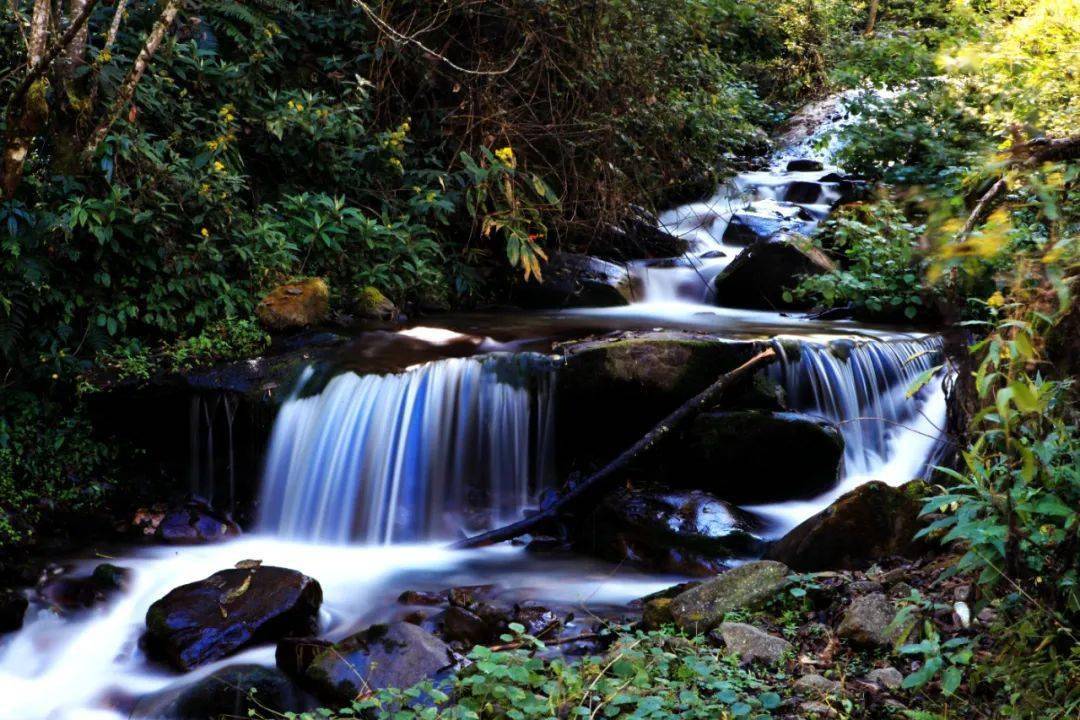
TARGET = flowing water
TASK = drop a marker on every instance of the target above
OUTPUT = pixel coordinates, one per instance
(367, 476)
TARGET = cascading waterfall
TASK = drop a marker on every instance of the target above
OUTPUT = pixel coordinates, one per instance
(863, 388)
(410, 456)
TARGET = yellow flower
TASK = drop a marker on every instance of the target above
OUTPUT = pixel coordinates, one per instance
(292, 104)
(299, 107)
(219, 166)
(996, 300)
(1053, 255)
(506, 156)
(205, 233)
(212, 145)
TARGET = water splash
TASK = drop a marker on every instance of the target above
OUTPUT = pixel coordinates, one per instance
(410, 456)
(863, 389)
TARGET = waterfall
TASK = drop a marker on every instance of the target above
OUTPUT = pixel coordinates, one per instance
(863, 387)
(410, 456)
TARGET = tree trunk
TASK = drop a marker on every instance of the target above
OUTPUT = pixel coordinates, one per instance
(871, 21)
(127, 88)
(600, 481)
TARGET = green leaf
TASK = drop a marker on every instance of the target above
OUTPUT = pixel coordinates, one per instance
(950, 679)
(920, 382)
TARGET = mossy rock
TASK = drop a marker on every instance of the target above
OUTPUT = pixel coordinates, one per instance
(746, 587)
(371, 304)
(295, 305)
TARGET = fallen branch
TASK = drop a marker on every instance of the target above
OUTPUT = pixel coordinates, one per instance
(600, 480)
(982, 208)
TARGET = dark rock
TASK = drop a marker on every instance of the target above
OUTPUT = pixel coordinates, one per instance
(213, 618)
(294, 655)
(466, 627)
(192, 524)
(75, 593)
(231, 692)
(571, 280)
(760, 274)
(396, 655)
(763, 220)
(537, 620)
(668, 529)
(636, 377)
(804, 192)
(804, 165)
(467, 596)
(734, 455)
(657, 613)
(420, 597)
(13, 604)
(745, 587)
(883, 518)
(637, 236)
(111, 577)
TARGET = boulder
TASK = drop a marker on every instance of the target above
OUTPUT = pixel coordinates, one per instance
(232, 692)
(656, 613)
(702, 608)
(734, 455)
(636, 377)
(883, 518)
(371, 304)
(751, 644)
(764, 219)
(668, 529)
(210, 619)
(867, 620)
(573, 280)
(65, 592)
(395, 655)
(760, 274)
(295, 305)
(194, 523)
(466, 627)
(804, 165)
(804, 192)
(13, 604)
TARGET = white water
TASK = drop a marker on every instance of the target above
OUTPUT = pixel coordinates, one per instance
(401, 457)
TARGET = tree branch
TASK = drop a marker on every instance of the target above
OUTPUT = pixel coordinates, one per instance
(600, 480)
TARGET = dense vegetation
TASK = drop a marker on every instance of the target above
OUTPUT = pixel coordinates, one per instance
(273, 140)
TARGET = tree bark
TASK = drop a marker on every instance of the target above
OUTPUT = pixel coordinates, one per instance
(603, 478)
(127, 88)
(872, 20)
(76, 50)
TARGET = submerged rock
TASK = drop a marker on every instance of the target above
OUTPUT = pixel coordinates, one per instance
(64, 592)
(754, 457)
(760, 274)
(395, 655)
(764, 219)
(751, 644)
(884, 519)
(295, 305)
(213, 618)
(572, 280)
(686, 531)
(232, 692)
(702, 608)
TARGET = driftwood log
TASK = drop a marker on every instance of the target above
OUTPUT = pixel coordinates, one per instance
(602, 479)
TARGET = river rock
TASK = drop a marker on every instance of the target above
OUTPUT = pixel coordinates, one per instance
(866, 621)
(656, 613)
(13, 604)
(734, 455)
(883, 518)
(193, 524)
(573, 280)
(887, 677)
(804, 192)
(760, 274)
(804, 165)
(668, 529)
(395, 655)
(230, 692)
(765, 218)
(702, 608)
(466, 627)
(636, 377)
(371, 304)
(814, 684)
(751, 644)
(232, 609)
(65, 592)
(295, 305)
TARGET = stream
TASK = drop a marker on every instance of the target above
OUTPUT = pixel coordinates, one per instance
(367, 479)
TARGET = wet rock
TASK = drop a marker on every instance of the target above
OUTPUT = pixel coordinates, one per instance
(764, 219)
(887, 677)
(467, 596)
(883, 518)
(420, 597)
(65, 592)
(668, 528)
(395, 655)
(638, 236)
(371, 304)
(818, 685)
(111, 577)
(866, 621)
(656, 614)
(192, 523)
(13, 604)
(759, 276)
(734, 455)
(295, 305)
(804, 192)
(804, 165)
(572, 280)
(537, 620)
(466, 627)
(747, 586)
(232, 692)
(751, 644)
(636, 377)
(232, 609)
(294, 655)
